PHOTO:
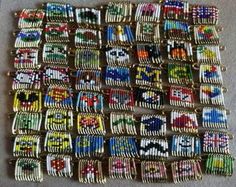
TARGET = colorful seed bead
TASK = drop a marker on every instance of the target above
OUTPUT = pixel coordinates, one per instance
(89, 102)
(59, 12)
(121, 99)
(185, 146)
(148, 12)
(56, 75)
(180, 73)
(27, 146)
(57, 32)
(31, 18)
(118, 12)
(26, 79)
(148, 76)
(58, 120)
(123, 146)
(120, 167)
(148, 98)
(89, 16)
(90, 171)
(122, 123)
(90, 123)
(88, 38)
(205, 15)
(175, 9)
(26, 123)
(153, 125)
(181, 96)
(206, 34)
(26, 58)
(117, 76)
(59, 165)
(153, 172)
(58, 97)
(87, 59)
(147, 32)
(28, 169)
(209, 73)
(58, 142)
(216, 142)
(27, 101)
(119, 35)
(208, 54)
(149, 53)
(218, 164)
(184, 121)
(211, 94)
(152, 148)
(89, 146)
(214, 118)
(179, 50)
(176, 30)
(117, 56)
(88, 80)
(55, 53)
(28, 38)
(186, 170)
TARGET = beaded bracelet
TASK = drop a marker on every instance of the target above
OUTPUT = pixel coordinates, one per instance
(148, 76)
(185, 146)
(147, 32)
(59, 12)
(59, 165)
(89, 16)
(27, 100)
(149, 53)
(90, 171)
(87, 59)
(122, 123)
(117, 56)
(31, 18)
(208, 54)
(180, 73)
(55, 53)
(148, 12)
(88, 80)
(26, 79)
(56, 75)
(206, 34)
(219, 164)
(123, 146)
(185, 170)
(202, 14)
(153, 172)
(211, 94)
(89, 146)
(58, 142)
(58, 97)
(58, 120)
(28, 169)
(153, 125)
(216, 142)
(214, 118)
(27, 146)
(152, 148)
(28, 38)
(181, 96)
(120, 167)
(57, 32)
(26, 58)
(210, 74)
(26, 123)
(90, 123)
(118, 12)
(184, 121)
